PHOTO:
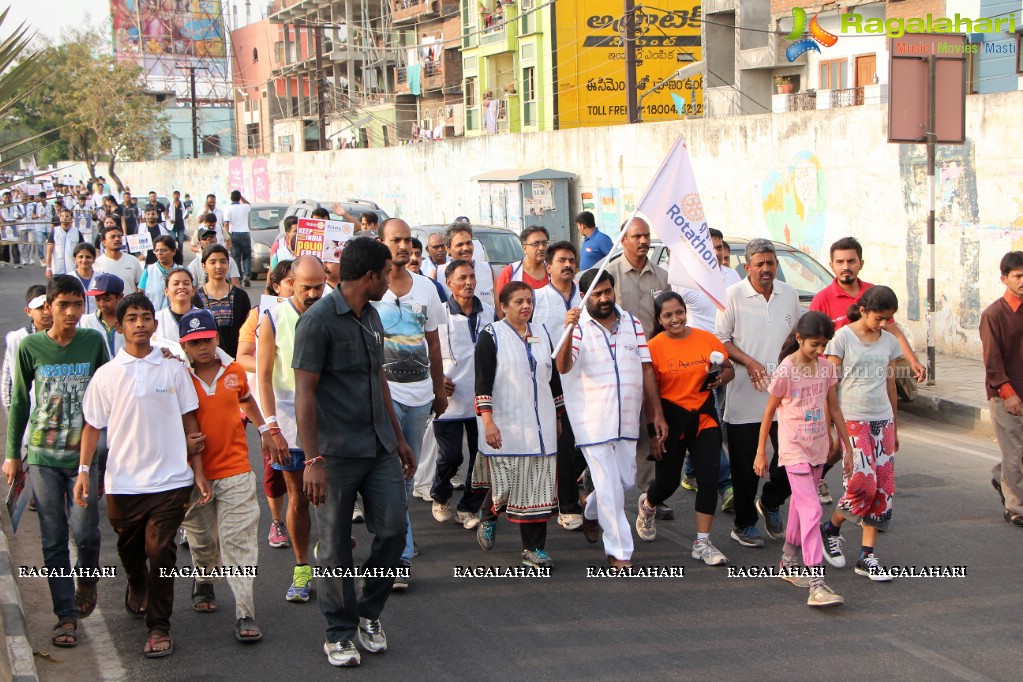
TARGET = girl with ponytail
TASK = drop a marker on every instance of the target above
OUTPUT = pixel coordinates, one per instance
(803, 394)
(865, 353)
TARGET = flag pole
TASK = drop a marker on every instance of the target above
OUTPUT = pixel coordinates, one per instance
(603, 264)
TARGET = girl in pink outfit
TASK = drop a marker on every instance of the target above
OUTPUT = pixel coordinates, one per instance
(803, 394)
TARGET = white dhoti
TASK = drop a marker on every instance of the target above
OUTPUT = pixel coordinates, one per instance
(613, 471)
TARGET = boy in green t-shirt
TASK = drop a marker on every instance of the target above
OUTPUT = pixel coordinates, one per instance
(55, 367)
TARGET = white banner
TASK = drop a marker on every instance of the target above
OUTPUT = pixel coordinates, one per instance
(672, 208)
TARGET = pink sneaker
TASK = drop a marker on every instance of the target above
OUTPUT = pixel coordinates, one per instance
(278, 535)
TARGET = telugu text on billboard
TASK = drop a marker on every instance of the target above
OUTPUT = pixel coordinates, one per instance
(591, 61)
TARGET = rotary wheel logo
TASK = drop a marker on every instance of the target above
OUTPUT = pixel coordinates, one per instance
(692, 208)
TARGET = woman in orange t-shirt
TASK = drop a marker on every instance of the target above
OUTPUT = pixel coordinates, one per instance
(682, 357)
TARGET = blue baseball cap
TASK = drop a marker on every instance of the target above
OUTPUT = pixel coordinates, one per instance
(105, 283)
(197, 324)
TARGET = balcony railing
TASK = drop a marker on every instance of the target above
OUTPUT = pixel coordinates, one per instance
(850, 97)
(803, 101)
(404, 10)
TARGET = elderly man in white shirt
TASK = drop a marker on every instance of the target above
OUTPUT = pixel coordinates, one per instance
(761, 312)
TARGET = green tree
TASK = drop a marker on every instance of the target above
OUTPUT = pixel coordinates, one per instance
(99, 102)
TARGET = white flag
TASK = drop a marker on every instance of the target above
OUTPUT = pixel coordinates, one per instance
(672, 208)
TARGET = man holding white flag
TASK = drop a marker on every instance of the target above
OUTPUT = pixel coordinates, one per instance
(672, 209)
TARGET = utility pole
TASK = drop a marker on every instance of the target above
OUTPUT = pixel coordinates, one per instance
(195, 114)
(321, 106)
(631, 102)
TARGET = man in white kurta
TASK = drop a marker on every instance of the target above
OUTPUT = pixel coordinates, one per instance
(606, 373)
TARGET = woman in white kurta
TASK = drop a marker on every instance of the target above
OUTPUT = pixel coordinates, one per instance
(518, 393)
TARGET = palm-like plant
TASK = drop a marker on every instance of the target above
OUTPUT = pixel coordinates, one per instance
(20, 72)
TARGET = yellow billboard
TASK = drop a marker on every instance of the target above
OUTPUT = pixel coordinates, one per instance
(589, 60)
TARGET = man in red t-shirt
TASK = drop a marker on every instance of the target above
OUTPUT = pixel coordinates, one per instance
(834, 301)
(532, 269)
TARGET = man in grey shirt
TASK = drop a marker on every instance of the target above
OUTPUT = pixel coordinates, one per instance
(350, 434)
(760, 313)
(637, 283)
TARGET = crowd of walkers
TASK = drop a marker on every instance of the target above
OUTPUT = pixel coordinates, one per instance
(135, 379)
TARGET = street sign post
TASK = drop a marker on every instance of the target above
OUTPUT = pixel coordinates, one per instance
(927, 104)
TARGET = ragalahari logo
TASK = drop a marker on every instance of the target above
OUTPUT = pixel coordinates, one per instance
(802, 45)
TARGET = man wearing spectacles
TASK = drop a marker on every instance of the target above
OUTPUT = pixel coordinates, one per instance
(532, 269)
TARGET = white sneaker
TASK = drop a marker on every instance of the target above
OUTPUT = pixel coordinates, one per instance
(441, 512)
(422, 492)
(703, 549)
(822, 595)
(457, 483)
(468, 520)
(357, 515)
(342, 654)
(645, 522)
(792, 564)
(371, 636)
(570, 521)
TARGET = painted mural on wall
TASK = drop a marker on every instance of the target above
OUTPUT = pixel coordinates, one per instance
(794, 202)
(957, 219)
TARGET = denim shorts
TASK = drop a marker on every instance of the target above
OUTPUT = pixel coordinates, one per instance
(296, 463)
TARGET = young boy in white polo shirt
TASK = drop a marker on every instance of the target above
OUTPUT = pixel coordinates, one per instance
(148, 477)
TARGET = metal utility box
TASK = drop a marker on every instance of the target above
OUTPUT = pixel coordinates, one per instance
(516, 198)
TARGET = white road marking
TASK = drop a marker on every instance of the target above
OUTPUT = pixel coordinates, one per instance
(108, 662)
(936, 659)
(914, 435)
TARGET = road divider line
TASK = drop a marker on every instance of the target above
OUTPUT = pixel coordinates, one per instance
(936, 659)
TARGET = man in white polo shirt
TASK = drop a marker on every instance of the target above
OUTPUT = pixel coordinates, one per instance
(760, 313)
(151, 465)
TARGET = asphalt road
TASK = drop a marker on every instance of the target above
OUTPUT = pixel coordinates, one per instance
(703, 626)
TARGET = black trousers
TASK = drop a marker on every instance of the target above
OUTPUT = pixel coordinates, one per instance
(742, 450)
(571, 465)
(705, 454)
(449, 460)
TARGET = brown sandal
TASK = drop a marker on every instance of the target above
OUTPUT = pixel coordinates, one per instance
(64, 637)
(158, 637)
(85, 598)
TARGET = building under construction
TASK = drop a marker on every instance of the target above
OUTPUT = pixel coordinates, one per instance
(338, 63)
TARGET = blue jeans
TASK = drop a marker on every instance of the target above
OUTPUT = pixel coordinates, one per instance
(413, 427)
(179, 239)
(379, 481)
(53, 488)
(241, 252)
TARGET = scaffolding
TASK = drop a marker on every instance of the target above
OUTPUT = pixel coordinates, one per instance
(359, 52)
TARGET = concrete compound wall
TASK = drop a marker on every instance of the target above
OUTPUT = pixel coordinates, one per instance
(806, 178)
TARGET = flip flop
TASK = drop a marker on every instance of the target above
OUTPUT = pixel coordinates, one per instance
(1014, 519)
(202, 593)
(155, 639)
(85, 599)
(135, 613)
(59, 632)
(247, 624)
